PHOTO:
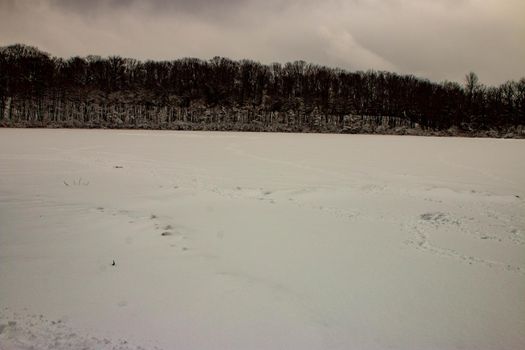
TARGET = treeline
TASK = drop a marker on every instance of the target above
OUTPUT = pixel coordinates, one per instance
(38, 90)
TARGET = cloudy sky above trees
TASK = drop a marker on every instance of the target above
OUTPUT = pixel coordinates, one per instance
(435, 39)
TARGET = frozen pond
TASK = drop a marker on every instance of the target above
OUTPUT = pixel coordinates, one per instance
(260, 241)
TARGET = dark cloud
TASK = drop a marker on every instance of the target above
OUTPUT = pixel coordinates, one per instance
(157, 6)
(91, 5)
(437, 39)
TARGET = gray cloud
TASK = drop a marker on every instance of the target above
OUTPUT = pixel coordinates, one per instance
(437, 39)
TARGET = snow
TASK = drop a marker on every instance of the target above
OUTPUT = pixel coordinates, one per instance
(260, 241)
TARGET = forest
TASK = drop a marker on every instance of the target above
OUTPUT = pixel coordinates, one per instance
(40, 90)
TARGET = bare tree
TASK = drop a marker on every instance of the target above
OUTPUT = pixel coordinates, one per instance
(221, 94)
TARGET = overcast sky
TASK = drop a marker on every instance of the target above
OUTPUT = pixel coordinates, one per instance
(435, 39)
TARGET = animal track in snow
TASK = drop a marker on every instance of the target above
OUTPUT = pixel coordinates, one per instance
(168, 230)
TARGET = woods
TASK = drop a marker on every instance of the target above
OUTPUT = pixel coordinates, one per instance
(38, 90)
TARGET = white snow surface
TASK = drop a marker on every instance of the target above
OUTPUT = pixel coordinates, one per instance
(260, 241)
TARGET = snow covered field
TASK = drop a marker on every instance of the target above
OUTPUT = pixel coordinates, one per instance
(260, 241)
